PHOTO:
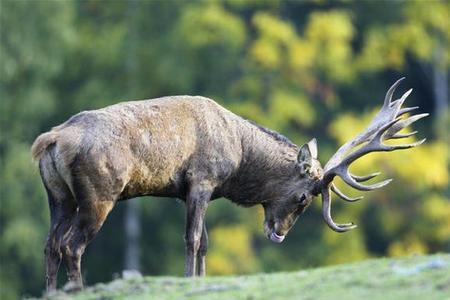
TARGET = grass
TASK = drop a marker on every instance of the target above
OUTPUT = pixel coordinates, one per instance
(415, 277)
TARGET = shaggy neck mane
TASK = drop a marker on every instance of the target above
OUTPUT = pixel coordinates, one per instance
(275, 135)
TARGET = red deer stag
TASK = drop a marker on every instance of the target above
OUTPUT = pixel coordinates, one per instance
(193, 149)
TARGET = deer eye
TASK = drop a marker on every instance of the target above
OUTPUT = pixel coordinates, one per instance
(302, 199)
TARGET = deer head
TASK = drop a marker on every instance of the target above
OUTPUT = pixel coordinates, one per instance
(311, 179)
(294, 195)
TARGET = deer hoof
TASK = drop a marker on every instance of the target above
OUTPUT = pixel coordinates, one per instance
(72, 287)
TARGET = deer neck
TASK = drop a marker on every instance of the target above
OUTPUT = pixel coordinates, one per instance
(267, 167)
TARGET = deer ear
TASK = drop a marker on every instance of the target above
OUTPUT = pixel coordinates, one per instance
(308, 151)
(304, 154)
(312, 144)
(304, 159)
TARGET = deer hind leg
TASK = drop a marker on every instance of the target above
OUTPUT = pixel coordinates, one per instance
(62, 211)
(90, 218)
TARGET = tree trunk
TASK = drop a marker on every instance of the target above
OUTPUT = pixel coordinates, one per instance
(132, 216)
(440, 93)
(132, 236)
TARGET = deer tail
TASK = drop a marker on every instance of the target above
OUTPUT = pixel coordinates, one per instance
(42, 142)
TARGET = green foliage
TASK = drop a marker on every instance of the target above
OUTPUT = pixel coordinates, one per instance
(312, 68)
(423, 34)
(331, 33)
(228, 258)
(210, 25)
(24, 221)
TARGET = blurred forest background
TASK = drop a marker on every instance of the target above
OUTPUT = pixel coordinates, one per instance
(304, 68)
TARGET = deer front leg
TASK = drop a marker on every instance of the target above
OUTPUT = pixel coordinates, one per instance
(196, 204)
(201, 255)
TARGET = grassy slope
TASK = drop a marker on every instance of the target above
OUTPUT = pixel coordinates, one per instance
(420, 277)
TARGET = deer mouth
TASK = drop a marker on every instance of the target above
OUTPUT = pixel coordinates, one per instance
(271, 232)
(274, 237)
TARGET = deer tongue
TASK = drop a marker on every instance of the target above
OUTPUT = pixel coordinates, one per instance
(276, 238)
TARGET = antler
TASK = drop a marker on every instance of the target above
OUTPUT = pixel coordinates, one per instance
(384, 126)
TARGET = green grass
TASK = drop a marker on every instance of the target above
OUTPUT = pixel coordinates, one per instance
(415, 277)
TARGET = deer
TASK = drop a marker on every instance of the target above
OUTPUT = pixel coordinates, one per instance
(193, 149)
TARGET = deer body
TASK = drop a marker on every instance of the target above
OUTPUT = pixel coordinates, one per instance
(193, 149)
(185, 147)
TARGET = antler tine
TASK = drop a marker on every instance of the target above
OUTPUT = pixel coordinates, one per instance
(365, 177)
(326, 211)
(392, 132)
(355, 184)
(390, 92)
(399, 102)
(405, 110)
(403, 135)
(405, 146)
(344, 196)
